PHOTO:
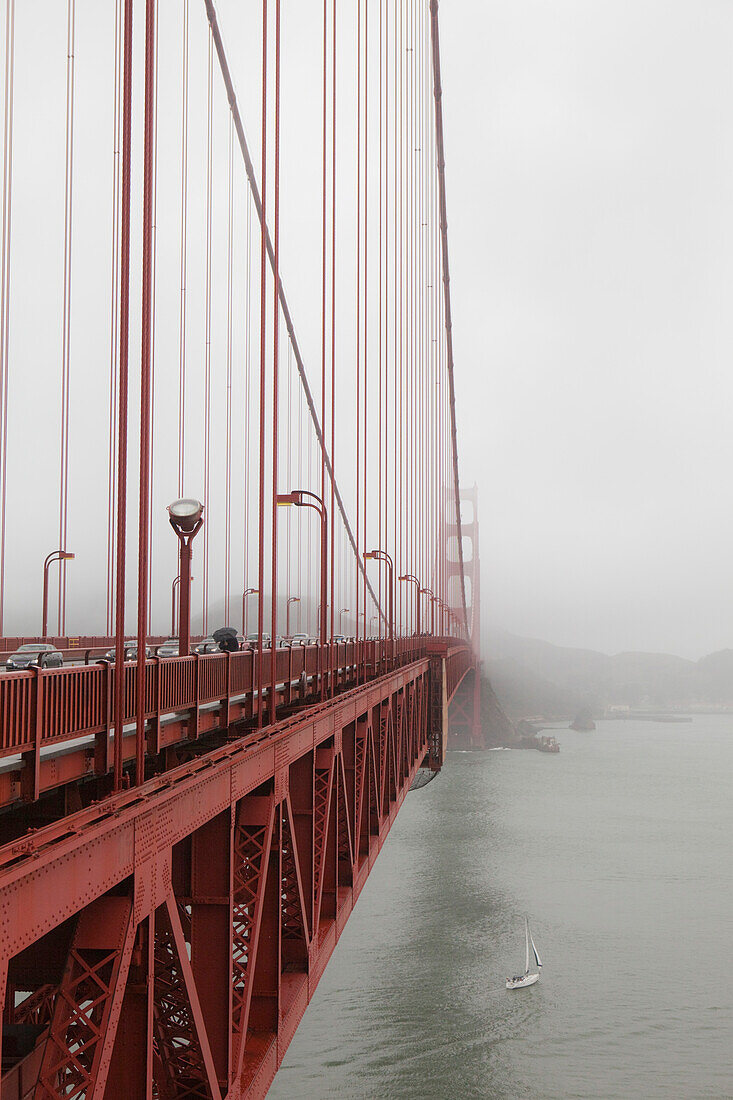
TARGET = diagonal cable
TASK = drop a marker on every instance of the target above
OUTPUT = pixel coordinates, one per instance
(249, 169)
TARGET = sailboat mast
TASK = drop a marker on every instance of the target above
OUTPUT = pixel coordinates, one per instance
(526, 941)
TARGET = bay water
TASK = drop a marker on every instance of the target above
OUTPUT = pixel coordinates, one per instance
(619, 850)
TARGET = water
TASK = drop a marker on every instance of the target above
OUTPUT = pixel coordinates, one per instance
(619, 850)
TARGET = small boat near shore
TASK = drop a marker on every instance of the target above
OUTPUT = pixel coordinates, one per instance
(547, 744)
(521, 981)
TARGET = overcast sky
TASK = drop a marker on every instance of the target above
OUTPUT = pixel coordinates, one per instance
(590, 194)
(589, 154)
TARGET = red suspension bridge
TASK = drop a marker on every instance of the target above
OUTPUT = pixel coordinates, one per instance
(225, 310)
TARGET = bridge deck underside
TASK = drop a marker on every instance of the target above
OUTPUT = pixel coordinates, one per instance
(176, 932)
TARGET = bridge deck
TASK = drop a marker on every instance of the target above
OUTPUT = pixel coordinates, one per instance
(226, 880)
(56, 724)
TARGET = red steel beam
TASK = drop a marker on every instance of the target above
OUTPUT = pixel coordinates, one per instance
(228, 881)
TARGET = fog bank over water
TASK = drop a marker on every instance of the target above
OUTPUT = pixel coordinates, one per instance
(589, 152)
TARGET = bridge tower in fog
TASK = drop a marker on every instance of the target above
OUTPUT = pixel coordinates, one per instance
(465, 728)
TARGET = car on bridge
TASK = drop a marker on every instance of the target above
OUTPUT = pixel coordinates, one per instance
(169, 648)
(34, 655)
(252, 641)
(130, 654)
(301, 639)
(206, 645)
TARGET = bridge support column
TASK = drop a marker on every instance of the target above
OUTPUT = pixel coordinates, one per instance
(211, 958)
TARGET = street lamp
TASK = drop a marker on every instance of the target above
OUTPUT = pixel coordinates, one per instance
(372, 620)
(299, 498)
(342, 612)
(186, 518)
(413, 580)
(291, 599)
(381, 555)
(55, 555)
(429, 592)
(247, 592)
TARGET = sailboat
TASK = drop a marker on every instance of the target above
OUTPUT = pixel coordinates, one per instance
(521, 981)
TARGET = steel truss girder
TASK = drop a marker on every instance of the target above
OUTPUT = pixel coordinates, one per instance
(249, 859)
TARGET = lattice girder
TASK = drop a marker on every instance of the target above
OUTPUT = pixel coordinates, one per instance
(82, 1026)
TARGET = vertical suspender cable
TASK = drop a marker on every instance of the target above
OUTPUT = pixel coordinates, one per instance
(289, 465)
(66, 318)
(145, 360)
(119, 681)
(114, 318)
(396, 260)
(263, 320)
(247, 409)
(382, 535)
(184, 258)
(5, 281)
(153, 259)
(207, 339)
(383, 491)
(366, 283)
(275, 365)
(230, 321)
(409, 242)
(299, 521)
(360, 541)
(333, 315)
(324, 145)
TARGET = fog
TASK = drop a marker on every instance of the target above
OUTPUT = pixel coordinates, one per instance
(589, 150)
(589, 174)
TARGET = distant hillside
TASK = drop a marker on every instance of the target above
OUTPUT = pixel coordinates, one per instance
(535, 677)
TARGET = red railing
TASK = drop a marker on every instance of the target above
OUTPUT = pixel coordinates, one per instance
(65, 703)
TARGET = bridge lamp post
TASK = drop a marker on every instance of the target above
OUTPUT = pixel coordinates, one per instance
(373, 619)
(343, 611)
(429, 592)
(382, 555)
(298, 498)
(186, 518)
(176, 582)
(55, 555)
(413, 580)
(304, 498)
(247, 592)
(436, 603)
(291, 599)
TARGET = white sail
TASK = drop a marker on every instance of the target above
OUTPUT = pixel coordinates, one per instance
(526, 937)
(537, 958)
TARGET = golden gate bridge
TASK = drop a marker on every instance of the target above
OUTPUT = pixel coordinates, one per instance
(224, 310)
